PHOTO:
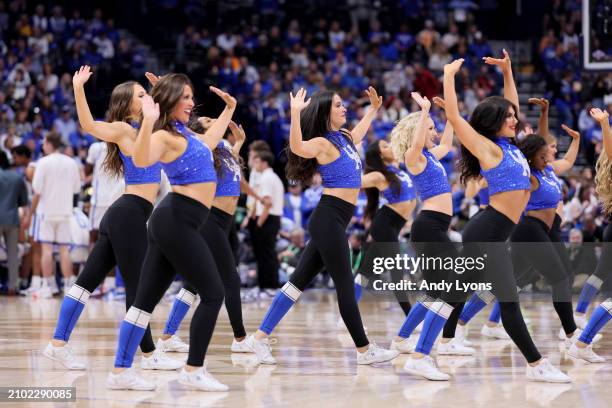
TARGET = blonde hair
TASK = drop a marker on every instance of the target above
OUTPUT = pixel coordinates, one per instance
(550, 138)
(603, 181)
(403, 133)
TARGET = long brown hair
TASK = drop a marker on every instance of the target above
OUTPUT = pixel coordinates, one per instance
(119, 110)
(314, 122)
(167, 92)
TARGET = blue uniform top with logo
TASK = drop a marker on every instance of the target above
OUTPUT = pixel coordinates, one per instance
(432, 181)
(548, 193)
(195, 165)
(512, 173)
(345, 171)
(228, 184)
(406, 191)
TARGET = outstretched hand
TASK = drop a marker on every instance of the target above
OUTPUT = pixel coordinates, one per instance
(422, 101)
(153, 79)
(229, 100)
(573, 133)
(541, 102)
(375, 100)
(150, 109)
(81, 76)
(297, 102)
(439, 102)
(237, 131)
(504, 63)
(453, 67)
(599, 115)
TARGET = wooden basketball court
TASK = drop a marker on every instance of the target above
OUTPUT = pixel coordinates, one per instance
(316, 362)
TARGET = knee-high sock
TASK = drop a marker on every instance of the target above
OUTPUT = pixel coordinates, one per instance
(118, 279)
(434, 322)
(589, 290)
(281, 304)
(183, 301)
(601, 315)
(495, 315)
(477, 302)
(72, 306)
(130, 333)
(415, 316)
(360, 282)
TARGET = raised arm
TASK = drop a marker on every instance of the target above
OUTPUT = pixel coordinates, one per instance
(567, 162)
(308, 149)
(373, 179)
(108, 132)
(477, 144)
(602, 117)
(543, 121)
(446, 142)
(414, 152)
(215, 133)
(240, 136)
(148, 150)
(505, 65)
(361, 129)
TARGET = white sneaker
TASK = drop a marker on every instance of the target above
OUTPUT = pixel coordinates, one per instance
(173, 344)
(375, 354)
(200, 379)
(160, 361)
(261, 348)
(454, 348)
(404, 346)
(581, 321)
(496, 332)
(267, 294)
(586, 354)
(461, 333)
(128, 380)
(64, 355)
(571, 340)
(546, 372)
(425, 367)
(240, 346)
(44, 292)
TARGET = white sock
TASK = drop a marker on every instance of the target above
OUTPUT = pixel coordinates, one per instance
(36, 282)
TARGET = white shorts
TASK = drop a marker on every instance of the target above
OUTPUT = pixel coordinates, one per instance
(95, 216)
(53, 230)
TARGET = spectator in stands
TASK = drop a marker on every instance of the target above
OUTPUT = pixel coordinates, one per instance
(65, 125)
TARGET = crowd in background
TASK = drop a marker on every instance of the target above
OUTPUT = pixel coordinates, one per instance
(397, 47)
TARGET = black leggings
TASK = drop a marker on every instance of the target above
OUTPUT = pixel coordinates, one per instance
(604, 266)
(176, 244)
(122, 241)
(429, 234)
(216, 233)
(386, 226)
(546, 260)
(493, 226)
(328, 247)
(555, 236)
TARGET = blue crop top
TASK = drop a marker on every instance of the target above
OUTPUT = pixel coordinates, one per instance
(139, 175)
(195, 165)
(406, 191)
(345, 171)
(548, 193)
(229, 179)
(512, 173)
(432, 181)
(483, 196)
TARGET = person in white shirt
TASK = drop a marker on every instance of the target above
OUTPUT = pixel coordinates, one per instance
(268, 213)
(105, 188)
(56, 180)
